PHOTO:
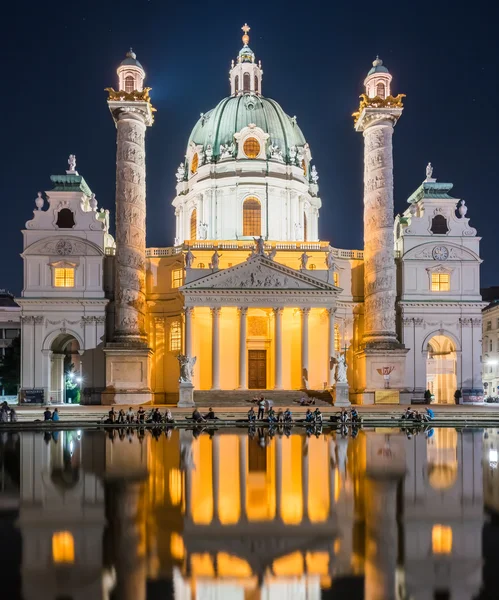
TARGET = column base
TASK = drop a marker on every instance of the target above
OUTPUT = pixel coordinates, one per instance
(185, 395)
(381, 367)
(341, 395)
(128, 375)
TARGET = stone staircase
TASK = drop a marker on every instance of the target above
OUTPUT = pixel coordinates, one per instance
(220, 399)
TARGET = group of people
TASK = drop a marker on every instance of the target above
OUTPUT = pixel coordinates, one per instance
(7, 414)
(272, 417)
(199, 418)
(414, 415)
(51, 416)
(129, 417)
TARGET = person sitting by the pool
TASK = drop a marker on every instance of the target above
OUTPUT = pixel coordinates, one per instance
(430, 413)
(354, 415)
(304, 401)
(272, 416)
(343, 416)
(47, 415)
(287, 417)
(309, 416)
(317, 415)
(280, 416)
(261, 408)
(141, 415)
(156, 416)
(111, 416)
(169, 417)
(251, 415)
(210, 415)
(55, 415)
(409, 413)
(197, 416)
(130, 415)
(121, 416)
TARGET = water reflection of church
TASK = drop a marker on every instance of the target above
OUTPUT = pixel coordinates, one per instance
(228, 516)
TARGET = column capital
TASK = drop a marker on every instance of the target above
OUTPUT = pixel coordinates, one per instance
(331, 311)
(188, 310)
(242, 310)
(304, 310)
(215, 311)
(278, 311)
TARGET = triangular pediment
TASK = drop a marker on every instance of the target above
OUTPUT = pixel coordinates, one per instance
(259, 273)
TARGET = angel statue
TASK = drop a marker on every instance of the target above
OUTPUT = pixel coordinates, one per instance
(330, 260)
(189, 259)
(215, 260)
(341, 370)
(180, 174)
(260, 246)
(304, 260)
(72, 163)
(186, 368)
(429, 171)
(314, 176)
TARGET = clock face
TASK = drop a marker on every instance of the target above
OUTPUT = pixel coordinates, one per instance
(440, 253)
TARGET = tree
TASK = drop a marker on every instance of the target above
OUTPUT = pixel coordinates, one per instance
(10, 367)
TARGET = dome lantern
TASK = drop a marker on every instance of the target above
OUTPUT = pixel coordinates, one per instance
(245, 73)
(378, 80)
(131, 74)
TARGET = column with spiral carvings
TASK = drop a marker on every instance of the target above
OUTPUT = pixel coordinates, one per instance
(128, 367)
(378, 114)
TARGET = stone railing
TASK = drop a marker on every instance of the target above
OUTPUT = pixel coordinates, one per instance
(210, 245)
(169, 251)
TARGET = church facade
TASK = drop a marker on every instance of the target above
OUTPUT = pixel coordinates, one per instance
(248, 287)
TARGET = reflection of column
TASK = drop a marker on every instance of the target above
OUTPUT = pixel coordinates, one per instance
(243, 460)
(381, 538)
(215, 472)
(304, 478)
(243, 312)
(304, 345)
(47, 377)
(332, 470)
(215, 348)
(188, 311)
(330, 371)
(278, 476)
(278, 347)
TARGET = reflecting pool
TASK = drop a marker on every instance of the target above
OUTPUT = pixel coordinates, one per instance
(191, 515)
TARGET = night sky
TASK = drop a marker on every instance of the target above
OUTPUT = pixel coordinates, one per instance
(59, 56)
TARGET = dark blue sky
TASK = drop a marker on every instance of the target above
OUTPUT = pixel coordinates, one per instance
(59, 56)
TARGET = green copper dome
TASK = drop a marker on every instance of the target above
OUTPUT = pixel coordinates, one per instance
(219, 125)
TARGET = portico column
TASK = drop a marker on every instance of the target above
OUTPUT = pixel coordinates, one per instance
(304, 346)
(243, 459)
(188, 312)
(330, 371)
(304, 478)
(278, 347)
(215, 348)
(278, 476)
(243, 314)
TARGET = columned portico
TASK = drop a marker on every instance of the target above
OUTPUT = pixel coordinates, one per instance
(330, 340)
(278, 347)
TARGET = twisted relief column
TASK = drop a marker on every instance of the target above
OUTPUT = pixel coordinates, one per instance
(130, 228)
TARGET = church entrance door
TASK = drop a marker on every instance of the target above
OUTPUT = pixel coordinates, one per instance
(257, 369)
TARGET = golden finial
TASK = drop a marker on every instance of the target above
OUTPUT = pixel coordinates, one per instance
(245, 29)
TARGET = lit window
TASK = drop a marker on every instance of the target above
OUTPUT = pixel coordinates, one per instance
(201, 266)
(175, 486)
(312, 267)
(194, 225)
(380, 91)
(252, 217)
(175, 337)
(251, 147)
(304, 167)
(441, 539)
(64, 277)
(177, 278)
(336, 278)
(129, 84)
(246, 82)
(440, 282)
(177, 546)
(194, 163)
(63, 547)
(337, 341)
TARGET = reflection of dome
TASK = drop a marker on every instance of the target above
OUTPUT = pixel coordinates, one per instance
(219, 125)
(442, 477)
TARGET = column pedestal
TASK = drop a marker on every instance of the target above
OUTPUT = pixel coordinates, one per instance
(128, 375)
(341, 394)
(185, 394)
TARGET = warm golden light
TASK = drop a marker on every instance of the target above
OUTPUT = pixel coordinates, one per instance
(194, 225)
(194, 163)
(251, 147)
(175, 486)
(177, 278)
(63, 547)
(441, 539)
(336, 278)
(337, 339)
(177, 546)
(440, 282)
(64, 277)
(175, 337)
(232, 566)
(252, 217)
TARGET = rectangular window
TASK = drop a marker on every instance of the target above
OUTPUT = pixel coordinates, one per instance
(175, 337)
(64, 277)
(11, 334)
(440, 282)
(336, 278)
(489, 325)
(441, 539)
(63, 547)
(177, 278)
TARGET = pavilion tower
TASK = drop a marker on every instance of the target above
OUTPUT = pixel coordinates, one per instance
(127, 371)
(378, 114)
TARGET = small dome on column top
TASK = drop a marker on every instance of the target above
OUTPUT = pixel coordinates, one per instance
(131, 60)
(378, 67)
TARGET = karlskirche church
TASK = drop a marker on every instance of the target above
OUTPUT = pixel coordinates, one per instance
(247, 287)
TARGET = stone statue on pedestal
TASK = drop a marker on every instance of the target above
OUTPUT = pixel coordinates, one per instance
(186, 368)
(189, 259)
(341, 370)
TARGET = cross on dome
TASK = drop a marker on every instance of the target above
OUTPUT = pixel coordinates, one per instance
(245, 29)
(245, 74)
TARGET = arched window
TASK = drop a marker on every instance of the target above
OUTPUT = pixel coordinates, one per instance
(380, 90)
(129, 84)
(194, 225)
(200, 266)
(236, 84)
(65, 219)
(337, 340)
(252, 217)
(175, 337)
(312, 267)
(336, 278)
(246, 82)
(304, 167)
(251, 147)
(63, 547)
(256, 84)
(305, 227)
(439, 225)
(194, 163)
